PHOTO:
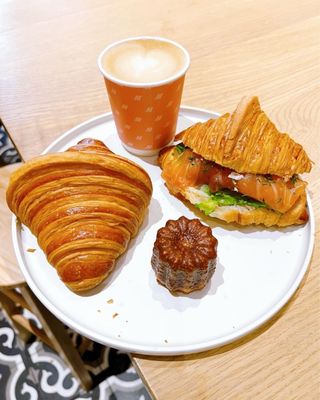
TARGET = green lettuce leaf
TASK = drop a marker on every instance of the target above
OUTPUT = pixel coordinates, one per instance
(180, 148)
(225, 198)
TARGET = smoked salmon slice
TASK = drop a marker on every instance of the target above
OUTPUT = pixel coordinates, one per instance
(184, 168)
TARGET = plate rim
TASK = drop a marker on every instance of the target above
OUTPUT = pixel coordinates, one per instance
(108, 116)
(156, 350)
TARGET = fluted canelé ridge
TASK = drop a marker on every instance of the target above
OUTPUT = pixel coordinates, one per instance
(184, 255)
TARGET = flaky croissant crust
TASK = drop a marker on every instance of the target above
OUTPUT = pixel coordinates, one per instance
(83, 205)
(247, 141)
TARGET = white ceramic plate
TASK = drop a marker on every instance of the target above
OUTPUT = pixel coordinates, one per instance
(257, 272)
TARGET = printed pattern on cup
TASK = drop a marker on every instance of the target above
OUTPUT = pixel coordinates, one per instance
(145, 118)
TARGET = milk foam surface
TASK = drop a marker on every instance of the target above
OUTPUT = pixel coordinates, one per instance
(144, 60)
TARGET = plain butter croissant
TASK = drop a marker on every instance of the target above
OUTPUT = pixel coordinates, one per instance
(83, 205)
(239, 168)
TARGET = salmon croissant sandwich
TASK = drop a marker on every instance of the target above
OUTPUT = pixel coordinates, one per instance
(239, 168)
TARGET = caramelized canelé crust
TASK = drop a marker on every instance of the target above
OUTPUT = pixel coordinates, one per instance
(184, 255)
(83, 205)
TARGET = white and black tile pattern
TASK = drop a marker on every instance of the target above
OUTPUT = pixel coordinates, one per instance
(35, 372)
(8, 153)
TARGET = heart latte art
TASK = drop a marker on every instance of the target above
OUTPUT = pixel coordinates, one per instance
(144, 61)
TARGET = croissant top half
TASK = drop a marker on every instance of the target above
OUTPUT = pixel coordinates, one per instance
(247, 141)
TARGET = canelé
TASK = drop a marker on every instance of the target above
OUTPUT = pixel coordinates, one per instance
(184, 255)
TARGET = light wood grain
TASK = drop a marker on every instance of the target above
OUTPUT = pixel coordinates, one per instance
(10, 308)
(50, 82)
(10, 274)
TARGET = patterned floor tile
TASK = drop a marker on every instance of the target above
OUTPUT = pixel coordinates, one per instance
(16, 380)
(54, 379)
(8, 153)
(126, 384)
(36, 372)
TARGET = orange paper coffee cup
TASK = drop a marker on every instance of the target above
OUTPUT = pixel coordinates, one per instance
(145, 114)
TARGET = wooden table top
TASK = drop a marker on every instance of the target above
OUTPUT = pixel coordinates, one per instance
(49, 82)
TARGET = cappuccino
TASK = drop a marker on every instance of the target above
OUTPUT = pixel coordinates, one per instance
(144, 61)
(144, 79)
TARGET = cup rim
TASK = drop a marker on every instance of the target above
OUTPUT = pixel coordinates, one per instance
(144, 84)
